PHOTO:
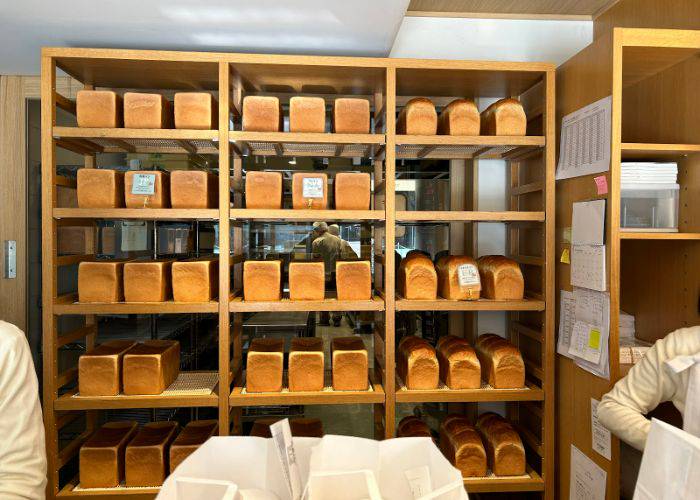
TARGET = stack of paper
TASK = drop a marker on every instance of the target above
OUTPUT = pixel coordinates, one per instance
(626, 325)
(632, 350)
(648, 173)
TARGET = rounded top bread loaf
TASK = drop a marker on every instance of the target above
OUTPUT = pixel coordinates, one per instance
(460, 117)
(504, 117)
(502, 364)
(458, 277)
(504, 446)
(417, 277)
(501, 278)
(417, 117)
(413, 426)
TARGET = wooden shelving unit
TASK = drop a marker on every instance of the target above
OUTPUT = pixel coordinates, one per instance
(651, 75)
(388, 84)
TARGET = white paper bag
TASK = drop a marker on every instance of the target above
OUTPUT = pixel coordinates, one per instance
(190, 488)
(344, 485)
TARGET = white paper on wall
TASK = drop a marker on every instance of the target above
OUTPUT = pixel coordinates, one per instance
(588, 267)
(588, 480)
(566, 322)
(588, 223)
(600, 435)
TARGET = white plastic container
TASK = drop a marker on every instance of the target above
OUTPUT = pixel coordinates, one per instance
(649, 207)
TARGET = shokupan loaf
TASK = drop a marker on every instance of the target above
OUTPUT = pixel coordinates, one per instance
(417, 278)
(147, 281)
(501, 278)
(504, 117)
(458, 277)
(307, 114)
(101, 281)
(262, 114)
(100, 369)
(263, 189)
(353, 280)
(418, 364)
(504, 448)
(98, 109)
(352, 191)
(196, 111)
(300, 427)
(150, 367)
(463, 447)
(195, 280)
(262, 280)
(351, 116)
(100, 188)
(460, 117)
(349, 364)
(161, 189)
(306, 368)
(147, 454)
(459, 364)
(194, 435)
(449, 424)
(143, 110)
(193, 189)
(264, 365)
(502, 364)
(413, 426)
(309, 191)
(418, 117)
(102, 455)
(307, 280)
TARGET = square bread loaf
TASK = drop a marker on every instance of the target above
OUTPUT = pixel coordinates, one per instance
(350, 116)
(147, 454)
(265, 364)
(98, 109)
(195, 280)
(100, 369)
(263, 189)
(504, 117)
(191, 437)
(100, 188)
(353, 280)
(458, 277)
(417, 117)
(460, 117)
(193, 189)
(102, 455)
(309, 191)
(196, 111)
(150, 367)
(417, 364)
(101, 281)
(307, 280)
(160, 181)
(143, 110)
(352, 191)
(147, 281)
(307, 114)
(306, 365)
(262, 114)
(262, 280)
(349, 364)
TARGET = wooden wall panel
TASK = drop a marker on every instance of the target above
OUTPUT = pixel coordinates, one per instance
(676, 14)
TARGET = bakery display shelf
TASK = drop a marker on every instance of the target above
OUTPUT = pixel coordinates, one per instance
(526, 304)
(531, 481)
(73, 489)
(457, 147)
(444, 394)
(125, 140)
(660, 152)
(635, 235)
(237, 304)
(137, 213)
(273, 215)
(308, 144)
(468, 216)
(68, 304)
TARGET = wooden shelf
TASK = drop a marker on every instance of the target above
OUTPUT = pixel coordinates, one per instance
(661, 152)
(137, 213)
(72, 489)
(486, 393)
(237, 304)
(67, 304)
(308, 144)
(459, 216)
(469, 305)
(533, 482)
(634, 235)
(455, 147)
(306, 215)
(124, 140)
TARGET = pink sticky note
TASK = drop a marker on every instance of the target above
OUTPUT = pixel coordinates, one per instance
(601, 183)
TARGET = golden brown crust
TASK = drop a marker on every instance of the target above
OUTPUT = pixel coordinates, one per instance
(265, 363)
(417, 278)
(302, 202)
(100, 369)
(417, 364)
(161, 191)
(307, 114)
(196, 111)
(100, 188)
(262, 280)
(351, 116)
(460, 117)
(192, 436)
(306, 364)
(352, 191)
(263, 189)
(417, 117)
(147, 454)
(147, 281)
(502, 364)
(193, 189)
(412, 426)
(262, 114)
(458, 277)
(353, 280)
(150, 367)
(504, 117)
(142, 110)
(102, 455)
(504, 448)
(501, 278)
(101, 281)
(195, 280)
(459, 364)
(307, 280)
(99, 109)
(349, 364)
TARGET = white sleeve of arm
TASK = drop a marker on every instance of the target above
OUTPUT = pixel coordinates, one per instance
(22, 448)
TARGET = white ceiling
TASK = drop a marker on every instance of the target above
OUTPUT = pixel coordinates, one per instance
(338, 27)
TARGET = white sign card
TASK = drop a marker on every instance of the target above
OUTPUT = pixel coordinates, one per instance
(588, 223)
(588, 267)
(312, 187)
(600, 435)
(586, 342)
(585, 140)
(588, 480)
(144, 184)
(566, 322)
(467, 275)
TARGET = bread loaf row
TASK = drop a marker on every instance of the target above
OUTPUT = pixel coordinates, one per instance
(265, 364)
(107, 109)
(459, 277)
(306, 114)
(120, 451)
(262, 280)
(309, 190)
(461, 117)
(105, 188)
(300, 427)
(458, 365)
(413, 426)
(190, 280)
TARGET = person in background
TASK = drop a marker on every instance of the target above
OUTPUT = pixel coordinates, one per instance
(22, 447)
(346, 251)
(329, 248)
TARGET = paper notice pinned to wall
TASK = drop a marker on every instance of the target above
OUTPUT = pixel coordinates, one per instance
(600, 435)
(566, 323)
(588, 480)
(585, 140)
(588, 267)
